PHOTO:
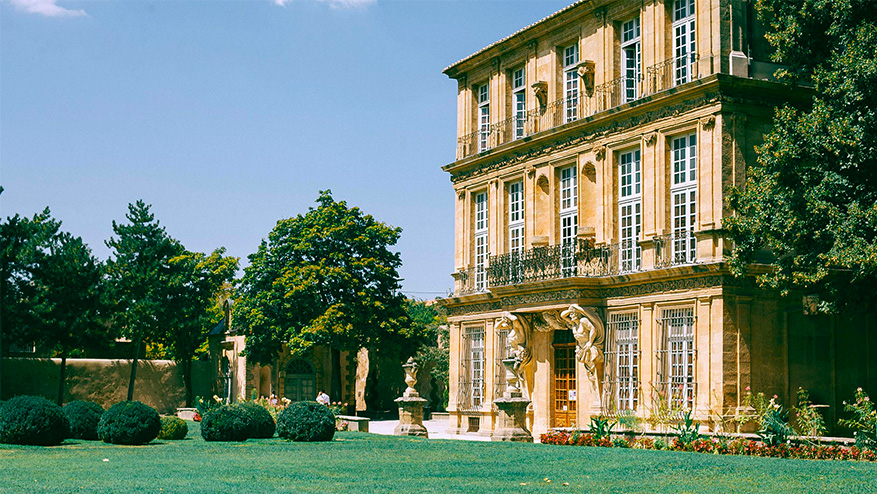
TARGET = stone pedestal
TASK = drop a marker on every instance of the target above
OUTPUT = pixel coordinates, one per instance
(511, 420)
(511, 417)
(410, 417)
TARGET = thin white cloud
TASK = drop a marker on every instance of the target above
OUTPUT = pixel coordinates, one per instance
(48, 8)
(336, 4)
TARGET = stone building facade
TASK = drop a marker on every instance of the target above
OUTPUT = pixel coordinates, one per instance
(294, 378)
(595, 152)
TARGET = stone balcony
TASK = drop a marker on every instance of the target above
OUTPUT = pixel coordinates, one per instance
(580, 259)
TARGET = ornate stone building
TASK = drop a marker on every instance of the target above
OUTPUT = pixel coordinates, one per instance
(595, 150)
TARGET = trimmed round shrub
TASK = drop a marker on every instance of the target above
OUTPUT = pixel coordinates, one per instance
(226, 423)
(84, 417)
(173, 428)
(129, 422)
(33, 420)
(306, 421)
(262, 423)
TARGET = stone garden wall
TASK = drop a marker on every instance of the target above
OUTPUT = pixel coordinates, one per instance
(159, 382)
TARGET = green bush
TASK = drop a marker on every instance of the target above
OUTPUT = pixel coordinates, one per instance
(864, 421)
(262, 423)
(306, 421)
(32, 420)
(129, 422)
(775, 428)
(173, 428)
(84, 417)
(227, 423)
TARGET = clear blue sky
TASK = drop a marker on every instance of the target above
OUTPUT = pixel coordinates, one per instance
(227, 116)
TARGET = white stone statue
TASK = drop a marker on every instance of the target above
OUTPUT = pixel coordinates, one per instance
(589, 337)
(518, 336)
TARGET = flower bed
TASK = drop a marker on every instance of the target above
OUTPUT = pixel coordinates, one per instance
(720, 446)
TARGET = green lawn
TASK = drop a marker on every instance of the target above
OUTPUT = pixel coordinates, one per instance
(358, 462)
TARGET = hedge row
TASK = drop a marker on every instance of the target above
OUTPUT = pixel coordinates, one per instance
(34, 420)
(302, 421)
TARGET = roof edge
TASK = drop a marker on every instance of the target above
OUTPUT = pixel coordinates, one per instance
(450, 70)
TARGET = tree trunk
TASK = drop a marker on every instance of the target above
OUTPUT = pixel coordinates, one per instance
(187, 380)
(335, 391)
(62, 379)
(134, 365)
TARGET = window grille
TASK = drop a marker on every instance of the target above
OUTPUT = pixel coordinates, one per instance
(519, 91)
(569, 218)
(630, 210)
(684, 199)
(683, 41)
(516, 217)
(471, 388)
(571, 82)
(481, 230)
(483, 117)
(676, 357)
(631, 58)
(622, 360)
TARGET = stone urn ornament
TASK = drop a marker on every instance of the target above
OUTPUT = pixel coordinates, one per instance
(410, 405)
(411, 367)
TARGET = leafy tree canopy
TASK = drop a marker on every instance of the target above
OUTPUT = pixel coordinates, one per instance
(163, 293)
(139, 273)
(326, 277)
(811, 199)
(51, 286)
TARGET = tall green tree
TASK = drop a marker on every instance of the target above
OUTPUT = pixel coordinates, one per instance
(140, 279)
(327, 277)
(68, 302)
(195, 281)
(811, 199)
(51, 289)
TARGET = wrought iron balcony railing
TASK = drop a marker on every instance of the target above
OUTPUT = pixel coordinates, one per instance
(675, 249)
(675, 72)
(617, 92)
(656, 78)
(471, 280)
(576, 259)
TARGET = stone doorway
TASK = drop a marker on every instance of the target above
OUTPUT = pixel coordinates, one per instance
(299, 384)
(565, 390)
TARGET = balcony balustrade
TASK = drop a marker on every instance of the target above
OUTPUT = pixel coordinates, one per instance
(675, 249)
(659, 77)
(581, 259)
(576, 259)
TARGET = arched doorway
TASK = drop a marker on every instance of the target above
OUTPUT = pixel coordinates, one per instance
(299, 383)
(565, 398)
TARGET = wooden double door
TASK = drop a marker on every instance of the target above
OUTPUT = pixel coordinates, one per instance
(565, 390)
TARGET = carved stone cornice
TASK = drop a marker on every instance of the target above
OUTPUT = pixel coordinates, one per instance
(599, 131)
(579, 295)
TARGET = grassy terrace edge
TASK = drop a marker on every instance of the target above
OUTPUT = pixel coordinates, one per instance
(360, 462)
